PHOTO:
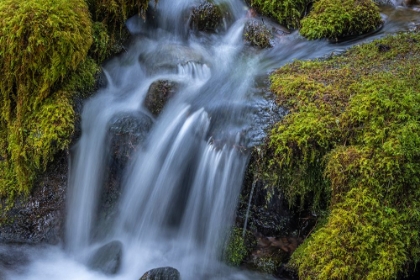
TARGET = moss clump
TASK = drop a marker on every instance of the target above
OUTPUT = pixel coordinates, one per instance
(41, 43)
(333, 19)
(238, 247)
(286, 12)
(352, 141)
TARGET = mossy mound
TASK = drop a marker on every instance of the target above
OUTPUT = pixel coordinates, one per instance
(333, 19)
(42, 43)
(351, 144)
(287, 12)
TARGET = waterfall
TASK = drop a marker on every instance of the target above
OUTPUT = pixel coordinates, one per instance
(180, 189)
(180, 185)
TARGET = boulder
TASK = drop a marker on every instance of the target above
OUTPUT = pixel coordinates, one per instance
(162, 273)
(206, 17)
(39, 217)
(257, 34)
(169, 57)
(107, 259)
(158, 94)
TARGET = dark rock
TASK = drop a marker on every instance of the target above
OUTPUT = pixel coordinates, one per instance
(107, 259)
(158, 94)
(383, 48)
(39, 218)
(162, 273)
(126, 133)
(206, 17)
(257, 34)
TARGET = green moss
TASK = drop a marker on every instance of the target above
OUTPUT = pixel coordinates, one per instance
(352, 141)
(336, 18)
(109, 17)
(101, 47)
(238, 247)
(286, 12)
(41, 44)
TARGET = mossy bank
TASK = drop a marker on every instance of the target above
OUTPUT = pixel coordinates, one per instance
(351, 145)
(49, 55)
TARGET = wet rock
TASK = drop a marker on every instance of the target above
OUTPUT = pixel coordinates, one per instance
(206, 17)
(162, 273)
(126, 133)
(169, 57)
(107, 259)
(158, 94)
(257, 34)
(39, 218)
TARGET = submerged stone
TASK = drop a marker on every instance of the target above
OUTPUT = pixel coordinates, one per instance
(162, 273)
(107, 259)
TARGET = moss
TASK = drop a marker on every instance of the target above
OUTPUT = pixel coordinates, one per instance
(41, 44)
(238, 247)
(286, 12)
(336, 18)
(352, 139)
(111, 15)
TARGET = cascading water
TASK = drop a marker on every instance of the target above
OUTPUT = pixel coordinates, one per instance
(180, 189)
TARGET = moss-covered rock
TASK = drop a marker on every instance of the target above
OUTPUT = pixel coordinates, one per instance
(239, 246)
(206, 17)
(257, 34)
(351, 142)
(41, 44)
(336, 18)
(286, 12)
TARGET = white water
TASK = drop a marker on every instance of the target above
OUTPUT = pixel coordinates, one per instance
(181, 188)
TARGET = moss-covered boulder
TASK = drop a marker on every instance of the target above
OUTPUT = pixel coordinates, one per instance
(333, 19)
(286, 12)
(206, 17)
(41, 44)
(257, 34)
(350, 145)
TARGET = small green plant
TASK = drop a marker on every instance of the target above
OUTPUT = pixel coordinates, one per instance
(286, 12)
(337, 18)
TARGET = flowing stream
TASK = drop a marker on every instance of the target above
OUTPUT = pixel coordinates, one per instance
(180, 188)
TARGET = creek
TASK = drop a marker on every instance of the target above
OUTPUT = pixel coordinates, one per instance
(181, 185)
